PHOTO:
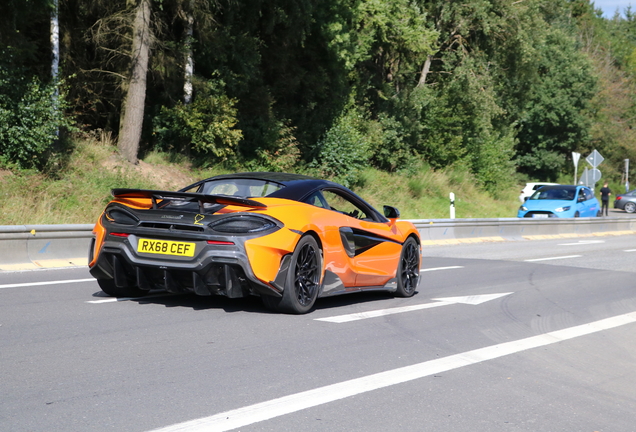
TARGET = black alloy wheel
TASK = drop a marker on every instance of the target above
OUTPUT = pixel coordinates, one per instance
(408, 274)
(303, 279)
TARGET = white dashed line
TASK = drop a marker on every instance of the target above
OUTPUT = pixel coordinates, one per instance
(582, 242)
(60, 282)
(554, 258)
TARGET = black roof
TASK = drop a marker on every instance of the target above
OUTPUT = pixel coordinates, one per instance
(278, 177)
(297, 186)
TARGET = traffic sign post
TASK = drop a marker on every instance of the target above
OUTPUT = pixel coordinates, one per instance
(575, 160)
(590, 177)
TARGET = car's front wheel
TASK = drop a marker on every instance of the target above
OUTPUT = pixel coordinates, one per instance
(303, 279)
(109, 287)
(630, 207)
(408, 274)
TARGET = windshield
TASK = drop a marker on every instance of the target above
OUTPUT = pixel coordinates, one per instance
(554, 194)
(245, 188)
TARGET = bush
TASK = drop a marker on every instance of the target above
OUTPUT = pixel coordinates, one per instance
(282, 155)
(31, 116)
(344, 151)
(206, 127)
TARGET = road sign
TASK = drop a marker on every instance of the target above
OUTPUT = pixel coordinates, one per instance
(590, 177)
(595, 159)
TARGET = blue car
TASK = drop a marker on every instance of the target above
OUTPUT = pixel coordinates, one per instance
(561, 201)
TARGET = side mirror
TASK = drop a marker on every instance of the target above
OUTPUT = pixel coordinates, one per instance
(526, 198)
(391, 212)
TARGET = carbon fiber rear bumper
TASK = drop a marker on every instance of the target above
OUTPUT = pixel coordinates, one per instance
(215, 270)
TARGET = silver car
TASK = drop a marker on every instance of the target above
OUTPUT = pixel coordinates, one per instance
(626, 201)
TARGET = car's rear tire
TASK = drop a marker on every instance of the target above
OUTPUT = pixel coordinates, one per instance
(408, 273)
(303, 279)
(109, 287)
(630, 207)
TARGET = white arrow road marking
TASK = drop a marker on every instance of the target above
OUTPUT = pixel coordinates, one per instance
(259, 412)
(120, 299)
(45, 283)
(440, 268)
(471, 300)
(113, 300)
(554, 258)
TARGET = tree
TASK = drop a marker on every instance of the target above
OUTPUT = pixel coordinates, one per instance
(132, 113)
(555, 118)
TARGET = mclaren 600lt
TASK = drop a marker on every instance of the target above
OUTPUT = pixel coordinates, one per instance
(287, 238)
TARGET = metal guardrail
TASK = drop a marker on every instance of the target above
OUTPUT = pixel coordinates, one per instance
(436, 230)
(44, 246)
(24, 247)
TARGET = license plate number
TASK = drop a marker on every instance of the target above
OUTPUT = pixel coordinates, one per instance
(540, 215)
(166, 247)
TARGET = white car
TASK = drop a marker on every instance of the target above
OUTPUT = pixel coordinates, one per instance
(530, 188)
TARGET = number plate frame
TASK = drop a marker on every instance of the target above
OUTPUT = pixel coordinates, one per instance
(166, 247)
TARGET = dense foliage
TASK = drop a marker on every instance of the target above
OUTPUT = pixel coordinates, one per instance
(502, 88)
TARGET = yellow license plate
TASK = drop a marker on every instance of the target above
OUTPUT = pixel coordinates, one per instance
(166, 247)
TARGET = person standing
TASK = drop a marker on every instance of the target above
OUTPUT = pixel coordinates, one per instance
(605, 194)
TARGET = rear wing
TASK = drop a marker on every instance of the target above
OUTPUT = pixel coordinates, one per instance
(158, 195)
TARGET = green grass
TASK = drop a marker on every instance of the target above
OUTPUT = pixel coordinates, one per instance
(79, 192)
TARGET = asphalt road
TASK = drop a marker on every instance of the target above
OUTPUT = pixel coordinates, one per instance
(515, 336)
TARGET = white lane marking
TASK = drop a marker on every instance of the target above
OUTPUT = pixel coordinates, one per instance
(554, 258)
(440, 268)
(112, 300)
(120, 299)
(259, 412)
(582, 242)
(45, 283)
(630, 250)
(471, 300)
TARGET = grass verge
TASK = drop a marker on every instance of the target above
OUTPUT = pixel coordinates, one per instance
(80, 191)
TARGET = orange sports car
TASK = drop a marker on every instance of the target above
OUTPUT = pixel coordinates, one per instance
(287, 238)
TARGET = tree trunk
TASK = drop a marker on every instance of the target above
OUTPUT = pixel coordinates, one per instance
(425, 69)
(189, 60)
(55, 42)
(55, 54)
(132, 115)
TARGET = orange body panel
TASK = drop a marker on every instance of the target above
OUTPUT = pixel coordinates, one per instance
(373, 267)
(99, 232)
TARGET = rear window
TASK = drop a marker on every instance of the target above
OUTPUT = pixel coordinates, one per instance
(245, 188)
